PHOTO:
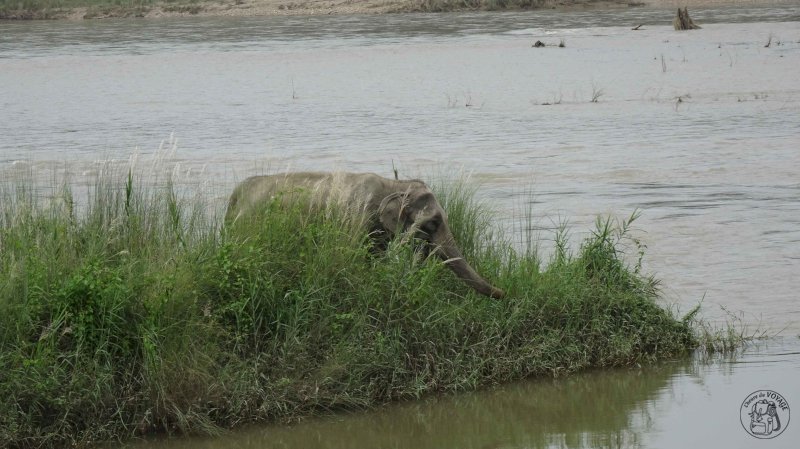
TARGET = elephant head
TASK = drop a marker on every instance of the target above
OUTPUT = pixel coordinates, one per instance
(417, 206)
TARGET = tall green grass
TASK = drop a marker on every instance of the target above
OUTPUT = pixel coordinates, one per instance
(132, 310)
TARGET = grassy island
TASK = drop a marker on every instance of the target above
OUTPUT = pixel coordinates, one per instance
(129, 310)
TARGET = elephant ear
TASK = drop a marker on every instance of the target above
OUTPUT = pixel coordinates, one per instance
(391, 212)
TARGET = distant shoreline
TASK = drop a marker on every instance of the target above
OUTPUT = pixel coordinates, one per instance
(101, 9)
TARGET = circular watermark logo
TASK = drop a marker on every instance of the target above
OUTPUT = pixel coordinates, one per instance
(764, 414)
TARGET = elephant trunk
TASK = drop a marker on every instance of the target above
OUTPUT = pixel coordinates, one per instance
(456, 262)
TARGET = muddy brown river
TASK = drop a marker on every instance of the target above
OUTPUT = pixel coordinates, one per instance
(700, 131)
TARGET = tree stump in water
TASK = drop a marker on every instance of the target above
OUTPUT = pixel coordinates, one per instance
(683, 21)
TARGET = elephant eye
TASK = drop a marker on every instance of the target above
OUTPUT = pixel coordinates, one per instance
(431, 226)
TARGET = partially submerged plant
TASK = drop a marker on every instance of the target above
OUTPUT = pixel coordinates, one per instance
(596, 93)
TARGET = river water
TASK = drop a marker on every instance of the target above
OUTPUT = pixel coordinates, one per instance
(689, 404)
(699, 130)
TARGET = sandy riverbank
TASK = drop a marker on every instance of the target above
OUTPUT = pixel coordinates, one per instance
(323, 7)
(98, 10)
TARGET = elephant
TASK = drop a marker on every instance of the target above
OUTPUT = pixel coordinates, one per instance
(391, 207)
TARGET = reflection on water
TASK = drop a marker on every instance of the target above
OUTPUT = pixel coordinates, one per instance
(692, 403)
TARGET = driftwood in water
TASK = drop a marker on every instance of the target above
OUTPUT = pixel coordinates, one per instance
(683, 21)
